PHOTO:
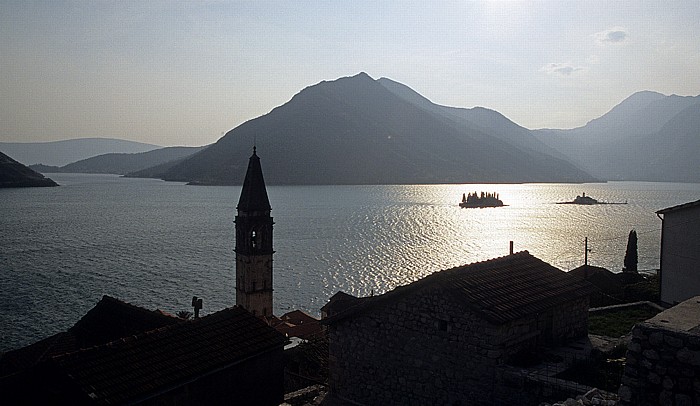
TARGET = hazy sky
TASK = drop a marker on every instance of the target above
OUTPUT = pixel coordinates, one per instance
(182, 73)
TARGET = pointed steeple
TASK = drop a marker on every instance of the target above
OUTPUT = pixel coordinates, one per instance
(254, 194)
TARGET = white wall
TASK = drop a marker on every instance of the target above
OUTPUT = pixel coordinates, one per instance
(680, 255)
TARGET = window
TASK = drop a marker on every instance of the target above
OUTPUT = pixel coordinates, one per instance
(253, 241)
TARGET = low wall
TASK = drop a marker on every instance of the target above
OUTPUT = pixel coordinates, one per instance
(663, 366)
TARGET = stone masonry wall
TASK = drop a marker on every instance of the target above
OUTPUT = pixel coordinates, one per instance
(426, 349)
(663, 368)
(413, 352)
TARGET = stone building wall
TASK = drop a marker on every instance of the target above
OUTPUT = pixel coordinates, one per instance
(427, 349)
(663, 367)
(548, 328)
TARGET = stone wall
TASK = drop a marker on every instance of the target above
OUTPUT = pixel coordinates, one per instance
(427, 349)
(663, 367)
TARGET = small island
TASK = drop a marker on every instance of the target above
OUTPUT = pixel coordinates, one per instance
(484, 200)
(587, 200)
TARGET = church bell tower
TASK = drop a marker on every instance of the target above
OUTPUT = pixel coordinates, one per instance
(254, 243)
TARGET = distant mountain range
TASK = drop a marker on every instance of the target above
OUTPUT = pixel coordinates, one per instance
(122, 164)
(59, 153)
(648, 136)
(357, 130)
(14, 174)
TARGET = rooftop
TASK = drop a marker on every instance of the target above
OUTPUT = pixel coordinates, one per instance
(133, 368)
(500, 290)
(109, 320)
(679, 207)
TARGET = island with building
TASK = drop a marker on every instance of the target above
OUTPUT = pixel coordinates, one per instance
(587, 201)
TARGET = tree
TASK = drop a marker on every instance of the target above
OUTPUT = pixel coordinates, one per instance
(184, 314)
(630, 264)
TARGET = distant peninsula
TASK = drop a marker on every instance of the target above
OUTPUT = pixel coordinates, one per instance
(14, 174)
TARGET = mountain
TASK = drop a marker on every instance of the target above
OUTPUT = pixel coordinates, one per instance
(490, 121)
(648, 136)
(357, 130)
(14, 174)
(59, 153)
(123, 164)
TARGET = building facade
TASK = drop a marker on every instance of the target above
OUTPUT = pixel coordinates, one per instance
(440, 340)
(254, 243)
(680, 245)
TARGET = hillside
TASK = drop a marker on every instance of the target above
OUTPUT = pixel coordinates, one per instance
(354, 130)
(648, 136)
(122, 164)
(59, 153)
(14, 174)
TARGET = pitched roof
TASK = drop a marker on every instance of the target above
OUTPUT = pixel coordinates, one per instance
(602, 278)
(298, 324)
(338, 302)
(109, 320)
(137, 367)
(499, 290)
(679, 207)
(253, 194)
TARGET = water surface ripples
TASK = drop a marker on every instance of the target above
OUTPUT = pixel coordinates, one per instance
(157, 244)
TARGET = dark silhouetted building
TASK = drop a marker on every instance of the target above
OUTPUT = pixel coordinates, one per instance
(441, 339)
(254, 243)
(213, 360)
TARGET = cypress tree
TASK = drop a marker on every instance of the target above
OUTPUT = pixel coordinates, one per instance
(630, 264)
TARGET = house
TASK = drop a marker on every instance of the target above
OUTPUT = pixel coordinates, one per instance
(680, 245)
(610, 285)
(109, 320)
(440, 340)
(663, 359)
(217, 359)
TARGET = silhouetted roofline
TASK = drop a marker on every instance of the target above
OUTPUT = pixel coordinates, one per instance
(499, 290)
(679, 207)
(254, 194)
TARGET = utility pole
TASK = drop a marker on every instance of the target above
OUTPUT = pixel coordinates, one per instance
(586, 251)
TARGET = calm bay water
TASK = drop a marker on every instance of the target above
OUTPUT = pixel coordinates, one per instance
(156, 244)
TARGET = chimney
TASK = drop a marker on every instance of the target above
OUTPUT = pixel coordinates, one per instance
(511, 248)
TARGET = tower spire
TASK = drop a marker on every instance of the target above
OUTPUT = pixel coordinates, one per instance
(254, 243)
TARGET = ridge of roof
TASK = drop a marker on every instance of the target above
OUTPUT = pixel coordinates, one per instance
(135, 366)
(499, 289)
(679, 207)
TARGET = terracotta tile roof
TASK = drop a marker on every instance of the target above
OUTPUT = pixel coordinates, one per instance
(500, 290)
(298, 324)
(136, 367)
(109, 320)
(679, 207)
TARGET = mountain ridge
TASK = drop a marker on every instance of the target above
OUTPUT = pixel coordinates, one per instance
(353, 130)
(632, 141)
(64, 152)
